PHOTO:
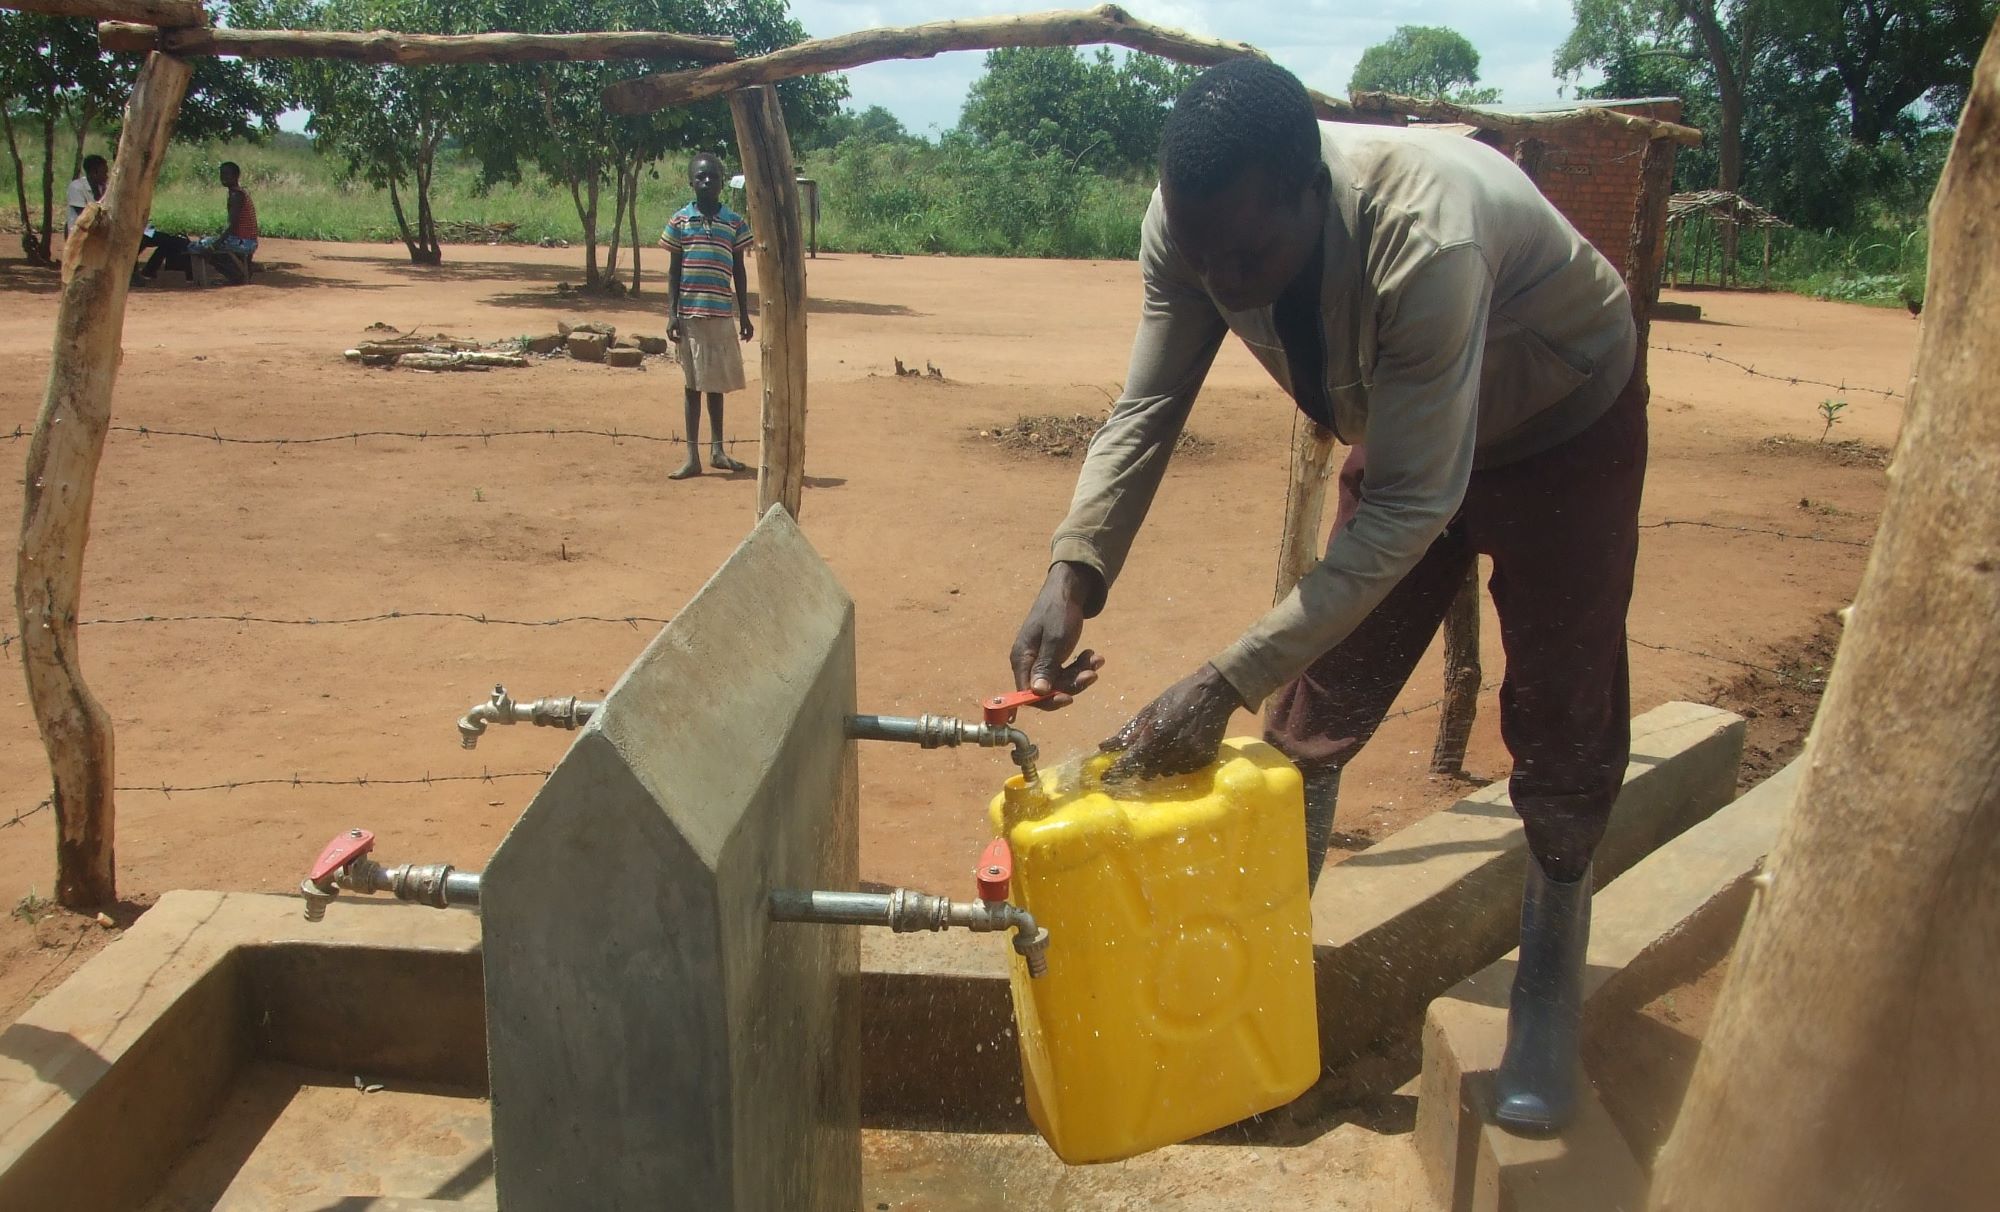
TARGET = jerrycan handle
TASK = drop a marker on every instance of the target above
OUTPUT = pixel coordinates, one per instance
(996, 870)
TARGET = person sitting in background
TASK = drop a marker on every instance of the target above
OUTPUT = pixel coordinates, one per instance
(240, 236)
(85, 189)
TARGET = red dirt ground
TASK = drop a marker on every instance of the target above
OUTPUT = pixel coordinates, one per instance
(940, 534)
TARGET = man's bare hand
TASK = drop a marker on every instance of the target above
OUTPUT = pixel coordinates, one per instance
(674, 331)
(1049, 634)
(748, 331)
(1177, 733)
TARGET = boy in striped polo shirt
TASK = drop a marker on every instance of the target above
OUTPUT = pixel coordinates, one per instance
(708, 311)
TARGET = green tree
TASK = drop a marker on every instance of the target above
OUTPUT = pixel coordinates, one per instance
(1100, 111)
(386, 122)
(551, 116)
(55, 80)
(1423, 61)
(1798, 86)
(872, 125)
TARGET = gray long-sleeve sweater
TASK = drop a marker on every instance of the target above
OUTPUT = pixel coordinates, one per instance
(1467, 325)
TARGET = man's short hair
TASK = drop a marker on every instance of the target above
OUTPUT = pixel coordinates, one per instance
(94, 161)
(1239, 115)
(229, 166)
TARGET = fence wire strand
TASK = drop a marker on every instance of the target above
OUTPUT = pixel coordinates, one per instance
(1843, 386)
(417, 435)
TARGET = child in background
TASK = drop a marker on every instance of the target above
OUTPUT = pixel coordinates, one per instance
(708, 308)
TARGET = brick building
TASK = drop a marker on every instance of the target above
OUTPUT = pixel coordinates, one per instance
(1591, 171)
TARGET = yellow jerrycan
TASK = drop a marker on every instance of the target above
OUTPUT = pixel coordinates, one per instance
(1179, 993)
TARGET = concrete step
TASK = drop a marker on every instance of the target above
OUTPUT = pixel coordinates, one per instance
(1667, 914)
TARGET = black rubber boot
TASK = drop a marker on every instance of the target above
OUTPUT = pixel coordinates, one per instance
(1535, 1090)
(1322, 790)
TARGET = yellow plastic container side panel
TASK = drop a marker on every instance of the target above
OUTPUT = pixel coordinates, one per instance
(1179, 996)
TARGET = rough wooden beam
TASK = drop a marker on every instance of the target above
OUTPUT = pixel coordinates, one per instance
(409, 50)
(1305, 502)
(1066, 28)
(1649, 229)
(1851, 1059)
(1462, 675)
(168, 13)
(60, 477)
(1520, 125)
(771, 194)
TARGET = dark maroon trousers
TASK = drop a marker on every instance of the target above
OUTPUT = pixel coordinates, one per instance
(1561, 528)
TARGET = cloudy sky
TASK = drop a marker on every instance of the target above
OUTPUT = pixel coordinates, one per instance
(1320, 40)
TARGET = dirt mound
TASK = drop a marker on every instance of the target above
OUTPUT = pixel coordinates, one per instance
(1851, 453)
(1067, 436)
(1778, 705)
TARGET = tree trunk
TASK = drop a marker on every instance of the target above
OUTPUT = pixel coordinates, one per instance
(427, 233)
(49, 185)
(28, 244)
(1728, 89)
(617, 225)
(1850, 1061)
(637, 170)
(771, 194)
(1461, 678)
(58, 482)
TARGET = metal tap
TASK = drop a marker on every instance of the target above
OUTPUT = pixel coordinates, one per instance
(949, 732)
(567, 713)
(906, 910)
(344, 863)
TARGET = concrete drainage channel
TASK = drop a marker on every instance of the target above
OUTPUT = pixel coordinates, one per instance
(227, 1053)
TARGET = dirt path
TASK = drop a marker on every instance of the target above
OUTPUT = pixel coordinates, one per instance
(940, 536)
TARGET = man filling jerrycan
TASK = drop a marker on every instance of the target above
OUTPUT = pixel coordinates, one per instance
(1179, 995)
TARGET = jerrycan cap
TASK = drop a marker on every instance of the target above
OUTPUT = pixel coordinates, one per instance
(996, 870)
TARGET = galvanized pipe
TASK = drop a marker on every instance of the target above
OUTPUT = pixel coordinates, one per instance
(439, 885)
(906, 910)
(947, 732)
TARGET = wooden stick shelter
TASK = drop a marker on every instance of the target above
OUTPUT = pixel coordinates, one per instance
(77, 733)
(412, 50)
(1703, 229)
(1850, 1061)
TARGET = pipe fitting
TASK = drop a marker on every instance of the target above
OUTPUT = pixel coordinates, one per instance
(345, 864)
(907, 910)
(568, 714)
(946, 732)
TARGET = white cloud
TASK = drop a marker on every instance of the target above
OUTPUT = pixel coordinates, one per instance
(1319, 39)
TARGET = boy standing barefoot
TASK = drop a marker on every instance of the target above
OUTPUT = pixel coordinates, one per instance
(708, 307)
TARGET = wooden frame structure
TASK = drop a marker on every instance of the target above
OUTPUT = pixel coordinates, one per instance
(1721, 216)
(69, 434)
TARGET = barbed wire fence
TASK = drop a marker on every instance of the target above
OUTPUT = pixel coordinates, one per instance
(615, 436)
(1843, 386)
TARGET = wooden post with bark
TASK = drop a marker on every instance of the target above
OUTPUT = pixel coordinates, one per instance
(771, 194)
(1305, 502)
(1851, 1059)
(59, 480)
(1462, 677)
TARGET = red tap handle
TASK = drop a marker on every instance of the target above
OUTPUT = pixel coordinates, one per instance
(342, 850)
(1000, 708)
(996, 870)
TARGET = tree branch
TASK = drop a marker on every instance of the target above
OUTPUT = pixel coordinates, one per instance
(412, 50)
(1066, 28)
(1521, 125)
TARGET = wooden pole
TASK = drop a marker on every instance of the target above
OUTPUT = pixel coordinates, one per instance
(1305, 502)
(1647, 243)
(1108, 23)
(1851, 1060)
(167, 13)
(771, 194)
(59, 479)
(1462, 676)
(384, 46)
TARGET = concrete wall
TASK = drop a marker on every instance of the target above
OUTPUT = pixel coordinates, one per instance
(655, 1040)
